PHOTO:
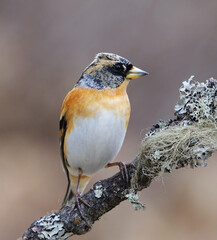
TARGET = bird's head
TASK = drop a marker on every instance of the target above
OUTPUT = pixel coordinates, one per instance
(108, 70)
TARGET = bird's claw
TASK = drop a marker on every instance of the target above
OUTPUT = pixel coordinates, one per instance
(77, 200)
(123, 169)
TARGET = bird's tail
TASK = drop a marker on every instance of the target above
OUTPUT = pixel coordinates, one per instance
(68, 196)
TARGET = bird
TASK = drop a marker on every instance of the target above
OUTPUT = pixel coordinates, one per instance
(93, 121)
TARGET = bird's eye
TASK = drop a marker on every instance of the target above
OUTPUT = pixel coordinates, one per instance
(118, 67)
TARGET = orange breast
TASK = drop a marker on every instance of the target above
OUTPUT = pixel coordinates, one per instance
(85, 102)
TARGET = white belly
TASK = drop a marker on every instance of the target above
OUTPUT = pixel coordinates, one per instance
(94, 142)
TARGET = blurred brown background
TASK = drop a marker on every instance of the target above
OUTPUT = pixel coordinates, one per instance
(44, 46)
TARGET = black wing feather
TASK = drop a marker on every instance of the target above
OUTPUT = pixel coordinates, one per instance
(63, 127)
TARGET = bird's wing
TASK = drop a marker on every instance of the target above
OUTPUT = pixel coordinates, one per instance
(63, 127)
(66, 117)
(69, 108)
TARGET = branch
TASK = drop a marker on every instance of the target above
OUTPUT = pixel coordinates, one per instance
(189, 139)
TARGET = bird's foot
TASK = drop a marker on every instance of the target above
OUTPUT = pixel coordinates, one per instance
(123, 169)
(77, 203)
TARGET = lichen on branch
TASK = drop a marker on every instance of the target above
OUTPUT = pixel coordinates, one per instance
(189, 139)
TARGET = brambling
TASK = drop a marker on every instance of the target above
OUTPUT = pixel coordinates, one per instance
(94, 119)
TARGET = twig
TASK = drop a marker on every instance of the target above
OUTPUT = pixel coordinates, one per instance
(189, 139)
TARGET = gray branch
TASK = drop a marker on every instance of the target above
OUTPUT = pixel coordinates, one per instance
(189, 139)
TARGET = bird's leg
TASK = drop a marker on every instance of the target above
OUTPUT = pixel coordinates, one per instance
(78, 196)
(123, 169)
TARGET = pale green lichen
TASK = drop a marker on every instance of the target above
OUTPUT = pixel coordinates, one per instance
(52, 227)
(134, 200)
(98, 191)
(189, 139)
(198, 100)
(178, 146)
